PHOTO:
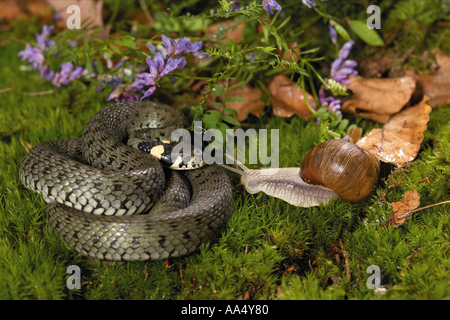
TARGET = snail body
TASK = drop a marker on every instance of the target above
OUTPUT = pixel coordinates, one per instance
(334, 168)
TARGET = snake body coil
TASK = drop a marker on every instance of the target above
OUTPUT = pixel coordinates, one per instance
(98, 181)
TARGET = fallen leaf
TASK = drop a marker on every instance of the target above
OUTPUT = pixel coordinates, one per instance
(287, 99)
(436, 84)
(399, 140)
(252, 105)
(15, 10)
(378, 99)
(410, 201)
(233, 31)
(354, 135)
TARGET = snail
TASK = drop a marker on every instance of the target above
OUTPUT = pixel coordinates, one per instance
(334, 168)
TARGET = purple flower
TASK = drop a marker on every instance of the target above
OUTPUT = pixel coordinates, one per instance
(236, 6)
(333, 104)
(341, 68)
(125, 92)
(67, 74)
(47, 73)
(158, 69)
(182, 46)
(34, 56)
(333, 34)
(169, 43)
(269, 4)
(181, 62)
(43, 39)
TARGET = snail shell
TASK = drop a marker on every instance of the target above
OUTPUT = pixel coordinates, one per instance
(334, 168)
(342, 166)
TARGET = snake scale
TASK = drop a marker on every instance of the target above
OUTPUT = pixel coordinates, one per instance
(97, 186)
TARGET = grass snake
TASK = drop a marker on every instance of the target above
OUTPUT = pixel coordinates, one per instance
(97, 187)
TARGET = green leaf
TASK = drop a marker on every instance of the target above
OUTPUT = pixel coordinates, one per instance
(369, 36)
(340, 29)
(115, 49)
(266, 33)
(239, 84)
(343, 124)
(310, 50)
(99, 66)
(217, 93)
(127, 41)
(218, 104)
(216, 114)
(89, 66)
(235, 99)
(210, 121)
(231, 111)
(231, 120)
(337, 120)
(284, 22)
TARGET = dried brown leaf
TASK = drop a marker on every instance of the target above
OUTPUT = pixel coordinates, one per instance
(15, 10)
(287, 99)
(435, 85)
(377, 99)
(236, 35)
(252, 105)
(410, 201)
(399, 140)
(354, 135)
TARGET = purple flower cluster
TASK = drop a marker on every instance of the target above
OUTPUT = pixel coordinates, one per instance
(341, 68)
(67, 74)
(333, 104)
(158, 69)
(182, 46)
(34, 56)
(160, 65)
(37, 58)
(269, 4)
(125, 92)
(43, 39)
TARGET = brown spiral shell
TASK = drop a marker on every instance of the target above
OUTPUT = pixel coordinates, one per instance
(342, 166)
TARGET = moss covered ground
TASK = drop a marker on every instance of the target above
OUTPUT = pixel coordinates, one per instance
(267, 250)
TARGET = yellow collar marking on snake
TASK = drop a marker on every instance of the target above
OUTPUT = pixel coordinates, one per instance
(157, 151)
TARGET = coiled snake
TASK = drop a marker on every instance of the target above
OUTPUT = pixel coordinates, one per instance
(97, 182)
